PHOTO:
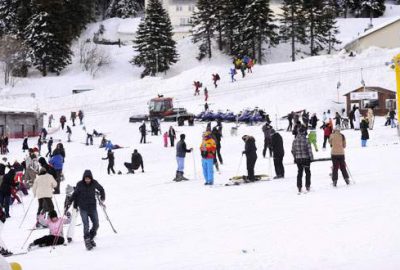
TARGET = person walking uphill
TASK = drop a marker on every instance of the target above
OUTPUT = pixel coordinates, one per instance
(338, 143)
(181, 151)
(302, 153)
(250, 150)
(111, 158)
(207, 150)
(85, 197)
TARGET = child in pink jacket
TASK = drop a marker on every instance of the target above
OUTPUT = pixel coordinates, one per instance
(55, 226)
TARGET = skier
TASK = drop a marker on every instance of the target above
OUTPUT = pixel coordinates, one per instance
(207, 150)
(305, 118)
(31, 167)
(290, 119)
(49, 146)
(181, 151)
(371, 117)
(217, 135)
(110, 157)
(205, 94)
(43, 190)
(165, 139)
(143, 132)
(278, 152)
(51, 118)
(267, 139)
(85, 197)
(243, 69)
(80, 116)
(57, 162)
(351, 117)
(232, 72)
(49, 169)
(73, 117)
(215, 78)
(55, 225)
(63, 119)
(364, 132)
(44, 134)
(136, 162)
(69, 132)
(338, 143)
(250, 65)
(302, 153)
(171, 135)
(327, 132)
(357, 119)
(25, 144)
(250, 150)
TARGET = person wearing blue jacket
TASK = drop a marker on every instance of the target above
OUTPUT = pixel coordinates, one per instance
(57, 162)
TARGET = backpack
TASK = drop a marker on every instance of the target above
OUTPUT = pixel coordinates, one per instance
(217, 77)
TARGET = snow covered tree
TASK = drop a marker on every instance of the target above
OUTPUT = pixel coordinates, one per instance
(373, 8)
(123, 8)
(259, 28)
(48, 51)
(293, 25)
(8, 17)
(154, 44)
(203, 22)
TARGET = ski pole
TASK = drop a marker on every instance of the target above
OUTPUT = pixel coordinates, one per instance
(26, 212)
(240, 163)
(55, 241)
(103, 206)
(351, 176)
(29, 235)
(58, 209)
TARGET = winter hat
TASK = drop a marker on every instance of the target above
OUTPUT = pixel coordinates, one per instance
(245, 137)
(42, 171)
(42, 161)
(87, 173)
(52, 214)
(183, 136)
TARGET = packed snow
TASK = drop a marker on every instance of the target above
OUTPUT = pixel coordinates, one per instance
(264, 225)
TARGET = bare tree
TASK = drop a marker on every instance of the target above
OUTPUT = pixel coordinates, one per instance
(92, 57)
(11, 50)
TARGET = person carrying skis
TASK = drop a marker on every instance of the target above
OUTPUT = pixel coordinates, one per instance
(110, 157)
(43, 190)
(302, 154)
(171, 135)
(63, 119)
(136, 162)
(215, 78)
(55, 225)
(85, 197)
(143, 132)
(181, 151)
(278, 153)
(207, 150)
(250, 150)
(338, 143)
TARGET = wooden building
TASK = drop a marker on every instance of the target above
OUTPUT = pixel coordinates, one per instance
(381, 99)
(17, 123)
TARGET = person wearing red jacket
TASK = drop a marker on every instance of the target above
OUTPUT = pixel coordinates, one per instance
(327, 132)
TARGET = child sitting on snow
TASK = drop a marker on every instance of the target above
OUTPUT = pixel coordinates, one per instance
(55, 226)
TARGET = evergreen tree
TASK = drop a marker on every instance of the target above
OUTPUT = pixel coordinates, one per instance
(77, 14)
(373, 8)
(259, 28)
(154, 44)
(124, 8)
(8, 17)
(203, 22)
(293, 25)
(46, 38)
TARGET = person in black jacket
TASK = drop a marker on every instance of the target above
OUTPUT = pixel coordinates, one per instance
(171, 135)
(217, 135)
(136, 162)
(49, 169)
(250, 150)
(85, 198)
(25, 144)
(143, 132)
(5, 190)
(181, 151)
(110, 157)
(278, 154)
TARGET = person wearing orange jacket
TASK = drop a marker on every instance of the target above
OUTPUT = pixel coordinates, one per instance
(207, 149)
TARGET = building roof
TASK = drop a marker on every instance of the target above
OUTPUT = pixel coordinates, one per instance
(373, 30)
(15, 110)
(372, 89)
(187, 2)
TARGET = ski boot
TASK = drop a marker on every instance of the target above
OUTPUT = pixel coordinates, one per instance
(334, 183)
(92, 242)
(5, 252)
(182, 177)
(88, 244)
(347, 181)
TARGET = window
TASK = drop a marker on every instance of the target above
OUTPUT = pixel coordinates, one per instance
(184, 21)
(366, 103)
(178, 8)
(191, 8)
(390, 104)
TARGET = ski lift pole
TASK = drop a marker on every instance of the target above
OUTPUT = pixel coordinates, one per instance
(103, 206)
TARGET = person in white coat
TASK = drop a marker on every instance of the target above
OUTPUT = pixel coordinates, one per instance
(43, 188)
(371, 118)
(357, 117)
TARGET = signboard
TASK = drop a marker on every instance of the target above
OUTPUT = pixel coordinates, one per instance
(364, 95)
